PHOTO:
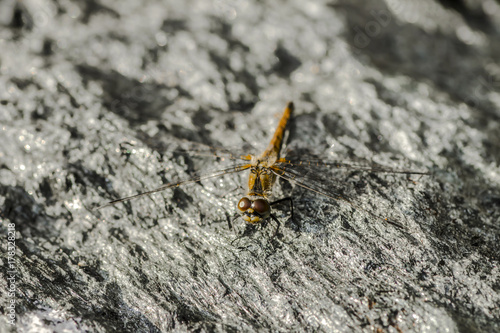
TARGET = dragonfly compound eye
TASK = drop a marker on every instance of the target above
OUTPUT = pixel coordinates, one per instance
(244, 204)
(261, 206)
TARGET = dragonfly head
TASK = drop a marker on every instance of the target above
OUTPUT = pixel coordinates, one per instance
(254, 210)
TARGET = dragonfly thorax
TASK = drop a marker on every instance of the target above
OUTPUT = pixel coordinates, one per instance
(254, 209)
(260, 181)
(265, 160)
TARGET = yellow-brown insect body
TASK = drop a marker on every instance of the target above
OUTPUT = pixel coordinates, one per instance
(261, 179)
(255, 207)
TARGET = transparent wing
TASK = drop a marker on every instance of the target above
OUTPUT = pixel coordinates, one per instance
(196, 149)
(192, 180)
(295, 160)
(334, 179)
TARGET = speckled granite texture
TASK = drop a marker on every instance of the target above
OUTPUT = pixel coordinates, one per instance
(98, 98)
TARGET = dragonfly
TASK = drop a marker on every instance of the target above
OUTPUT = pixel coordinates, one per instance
(256, 207)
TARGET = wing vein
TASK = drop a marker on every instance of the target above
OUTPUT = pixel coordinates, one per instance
(335, 196)
(175, 184)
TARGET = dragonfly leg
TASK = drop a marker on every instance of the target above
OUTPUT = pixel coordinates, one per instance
(289, 199)
(278, 223)
(230, 220)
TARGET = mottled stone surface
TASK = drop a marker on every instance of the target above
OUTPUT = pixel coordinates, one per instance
(98, 98)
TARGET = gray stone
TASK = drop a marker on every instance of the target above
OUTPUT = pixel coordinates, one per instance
(100, 100)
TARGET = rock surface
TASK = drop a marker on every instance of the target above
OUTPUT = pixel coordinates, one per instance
(98, 100)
